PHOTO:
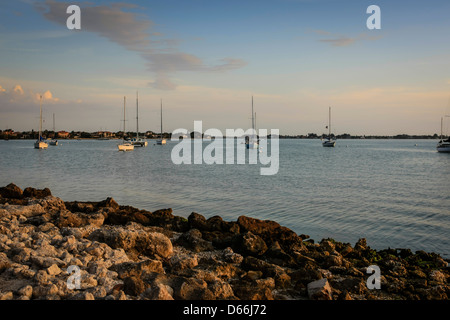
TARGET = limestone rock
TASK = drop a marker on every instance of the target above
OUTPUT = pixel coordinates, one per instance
(11, 191)
(319, 290)
(249, 244)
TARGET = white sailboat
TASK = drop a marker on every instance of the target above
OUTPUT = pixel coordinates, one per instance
(329, 142)
(40, 142)
(54, 142)
(138, 142)
(252, 141)
(161, 141)
(443, 145)
(126, 145)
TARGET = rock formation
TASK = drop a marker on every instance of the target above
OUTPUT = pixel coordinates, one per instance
(51, 249)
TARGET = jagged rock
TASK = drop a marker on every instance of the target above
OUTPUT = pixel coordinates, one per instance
(133, 286)
(232, 257)
(192, 289)
(319, 290)
(6, 295)
(305, 275)
(271, 231)
(36, 193)
(361, 244)
(182, 261)
(159, 292)
(346, 250)
(438, 276)
(5, 263)
(53, 270)
(216, 223)
(26, 292)
(260, 289)
(327, 245)
(353, 285)
(221, 290)
(333, 260)
(249, 244)
(277, 255)
(137, 269)
(78, 219)
(11, 191)
(197, 221)
(135, 241)
(192, 240)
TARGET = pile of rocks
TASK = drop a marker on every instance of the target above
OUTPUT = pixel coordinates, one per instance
(51, 249)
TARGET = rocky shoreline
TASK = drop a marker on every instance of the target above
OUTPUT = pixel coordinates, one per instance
(119, 252)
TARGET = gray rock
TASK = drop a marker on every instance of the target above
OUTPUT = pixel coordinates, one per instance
(319, 290)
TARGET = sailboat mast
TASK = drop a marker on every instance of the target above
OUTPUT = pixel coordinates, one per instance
(253, 120)
(40, 119)
(124, 100)
(329, 122)
(53, 123)
(137, 115)
(161, 122)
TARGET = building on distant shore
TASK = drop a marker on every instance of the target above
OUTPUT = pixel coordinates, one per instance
(104, 134)
(63, 134)
(9, 133)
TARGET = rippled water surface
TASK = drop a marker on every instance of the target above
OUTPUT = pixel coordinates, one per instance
(395, 193)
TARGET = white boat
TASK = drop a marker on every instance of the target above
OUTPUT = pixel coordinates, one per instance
(329, 142)
(126, 145)
(443, 145)
(252, 142)
(40, 142)
(138, 142)
(161, 141)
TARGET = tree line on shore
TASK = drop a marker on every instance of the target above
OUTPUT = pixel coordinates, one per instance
(11, 134)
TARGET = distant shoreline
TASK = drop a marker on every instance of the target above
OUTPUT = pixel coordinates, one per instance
(292, 137)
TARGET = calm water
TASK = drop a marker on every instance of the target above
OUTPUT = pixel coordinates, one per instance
(392, 192)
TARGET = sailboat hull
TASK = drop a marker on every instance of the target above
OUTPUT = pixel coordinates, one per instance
(329, 144)
(443, 147)
(140, 144)
(40, 145)
(161, 142)
(125, 147)
(252, 145)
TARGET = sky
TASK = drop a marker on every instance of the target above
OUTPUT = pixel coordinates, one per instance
(206, 59)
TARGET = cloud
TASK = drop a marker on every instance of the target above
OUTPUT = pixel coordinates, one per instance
(19, 99)
(164, 64)
(133, 32)
(338, 40)
(111, 22)
(18, 90)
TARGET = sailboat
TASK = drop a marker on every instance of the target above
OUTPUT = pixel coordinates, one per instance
(329, 142)
(161, 141)
(252, 141)
(40, 143)
(126, 145)
(138, 142)
(54, 142)
(443, 145)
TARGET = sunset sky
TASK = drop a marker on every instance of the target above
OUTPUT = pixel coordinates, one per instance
(207, 58)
